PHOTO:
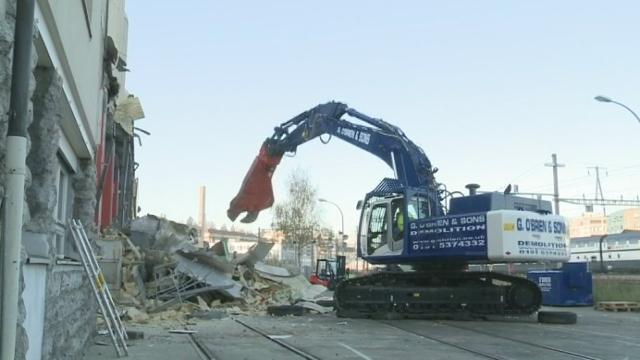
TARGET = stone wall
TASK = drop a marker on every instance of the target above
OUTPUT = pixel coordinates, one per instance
(44, 133)
(69, 304)
(6, 56)
(70, 313)
(84, 204)
(70, 307)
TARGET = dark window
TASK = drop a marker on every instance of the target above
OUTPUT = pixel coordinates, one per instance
(63, 212)
(377, 227)
(419, 208)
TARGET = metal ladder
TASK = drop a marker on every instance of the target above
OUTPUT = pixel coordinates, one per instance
(100, 289)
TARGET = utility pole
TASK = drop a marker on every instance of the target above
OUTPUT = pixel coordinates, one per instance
(598, 185)
(556, 194)
(202, 215)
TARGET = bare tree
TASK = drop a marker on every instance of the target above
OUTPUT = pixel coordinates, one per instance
(297, 215)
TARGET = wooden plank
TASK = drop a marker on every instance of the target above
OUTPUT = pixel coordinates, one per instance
(616, 306)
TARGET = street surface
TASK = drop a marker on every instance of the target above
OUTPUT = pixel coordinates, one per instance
(598, 335)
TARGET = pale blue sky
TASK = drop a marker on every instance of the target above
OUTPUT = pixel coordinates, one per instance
(489, 89)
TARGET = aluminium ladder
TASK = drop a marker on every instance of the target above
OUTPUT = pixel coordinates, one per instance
(100, 289)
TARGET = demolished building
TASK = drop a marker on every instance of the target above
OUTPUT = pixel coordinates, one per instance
(163, 276)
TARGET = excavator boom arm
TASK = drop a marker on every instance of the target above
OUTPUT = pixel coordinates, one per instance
(386, 141)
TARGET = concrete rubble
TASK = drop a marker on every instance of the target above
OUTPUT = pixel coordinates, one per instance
(158, 275)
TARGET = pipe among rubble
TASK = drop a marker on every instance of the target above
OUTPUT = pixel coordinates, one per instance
(16, 168)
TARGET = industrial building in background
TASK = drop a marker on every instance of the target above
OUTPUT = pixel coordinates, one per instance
(610, 243)
(593, 224)
(80, 163)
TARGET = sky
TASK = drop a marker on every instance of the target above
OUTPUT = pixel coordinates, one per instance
(489, 90)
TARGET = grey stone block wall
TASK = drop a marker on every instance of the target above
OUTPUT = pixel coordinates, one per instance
(69, 313)
(84, 202)
(6, 57)
(42, 159)
(70, 309)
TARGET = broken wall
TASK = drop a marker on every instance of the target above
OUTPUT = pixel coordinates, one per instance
(159, 238)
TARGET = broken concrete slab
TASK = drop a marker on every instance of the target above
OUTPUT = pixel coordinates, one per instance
(219, 248)
(255, 254)
(265, 269)
(206, 257)
(208, 275)
(302, 288)
(153, 232)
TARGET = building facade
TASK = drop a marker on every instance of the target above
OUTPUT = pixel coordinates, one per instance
(591, 224)
(77, 85)
(627, 219)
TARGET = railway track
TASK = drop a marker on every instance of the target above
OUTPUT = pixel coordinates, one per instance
(476, 350)
(524, 342)
(478, 343)
(303, 354)
(206, 354)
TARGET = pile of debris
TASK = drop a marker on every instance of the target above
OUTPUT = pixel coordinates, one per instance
(159, 275)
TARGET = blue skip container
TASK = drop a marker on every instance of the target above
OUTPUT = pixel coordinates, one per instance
(570, 286)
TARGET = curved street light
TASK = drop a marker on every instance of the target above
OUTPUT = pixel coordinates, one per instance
(341, 219)
(609, 100)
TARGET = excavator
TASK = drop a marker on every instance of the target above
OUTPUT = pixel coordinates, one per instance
(427, 234)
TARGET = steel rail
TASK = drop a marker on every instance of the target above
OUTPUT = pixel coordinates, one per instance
(449, 343)
(299, 352)
(551, 348)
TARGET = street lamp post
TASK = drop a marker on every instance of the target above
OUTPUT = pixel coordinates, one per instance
(341, 238)
(608, 100)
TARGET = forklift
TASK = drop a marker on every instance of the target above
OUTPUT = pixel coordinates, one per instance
(329, 272)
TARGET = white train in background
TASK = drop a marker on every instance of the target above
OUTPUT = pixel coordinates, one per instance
(620, 252)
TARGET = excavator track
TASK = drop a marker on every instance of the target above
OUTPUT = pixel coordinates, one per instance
(441, 294)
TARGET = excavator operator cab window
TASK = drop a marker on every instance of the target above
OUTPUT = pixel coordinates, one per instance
(377, 228)
(418, 208)
(397, 216)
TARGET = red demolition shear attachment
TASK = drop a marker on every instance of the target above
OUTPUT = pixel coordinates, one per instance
(256, 192)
